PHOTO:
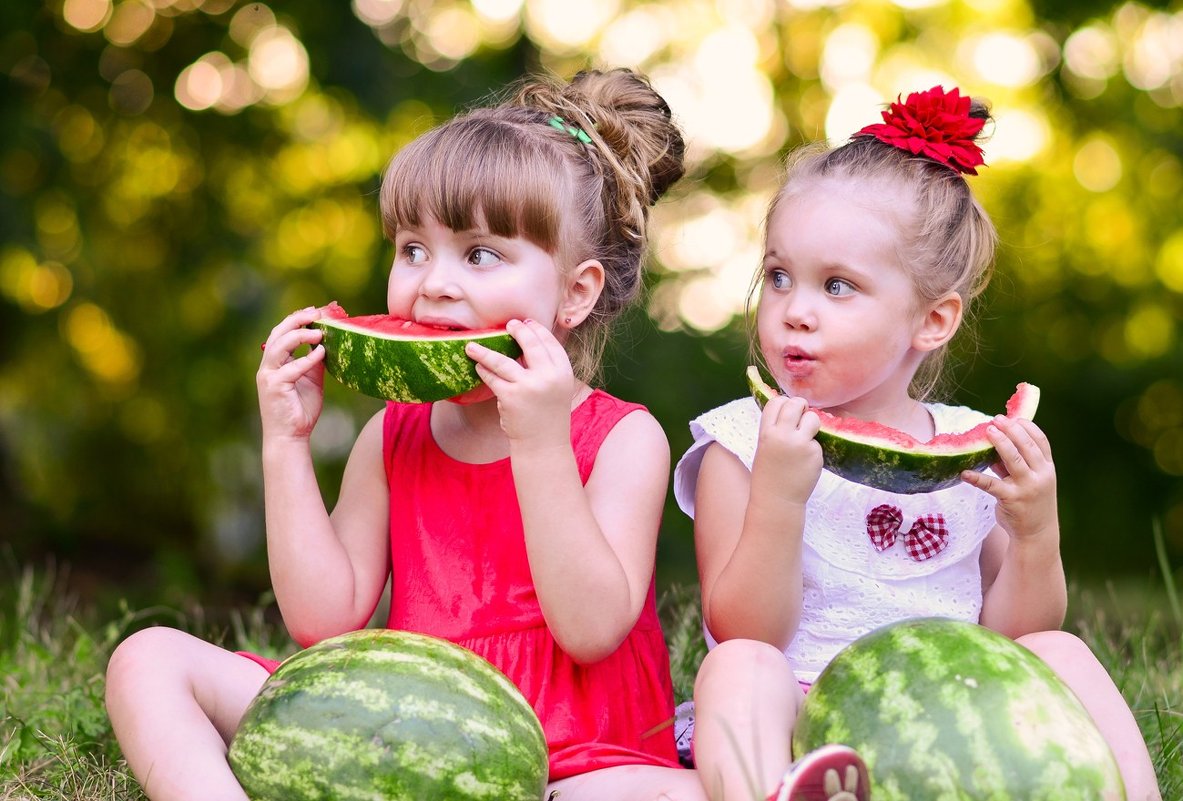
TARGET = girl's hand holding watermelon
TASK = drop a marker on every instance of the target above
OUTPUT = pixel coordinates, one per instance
(291, 388)
(1025, 484)
(1021, 564)
(788, 458)
(534, 392)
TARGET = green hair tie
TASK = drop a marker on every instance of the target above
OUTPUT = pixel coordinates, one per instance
(560, 124)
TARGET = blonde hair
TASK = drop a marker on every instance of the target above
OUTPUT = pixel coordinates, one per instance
(947, 242)
(509, 165)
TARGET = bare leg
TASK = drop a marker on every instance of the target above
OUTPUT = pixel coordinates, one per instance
(629, 783)
(745, 704)
(1073, 662)
(175, 702)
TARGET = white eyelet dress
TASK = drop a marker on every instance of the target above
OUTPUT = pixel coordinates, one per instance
(851, 587)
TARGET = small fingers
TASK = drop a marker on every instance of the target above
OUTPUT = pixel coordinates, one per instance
(785, 410)
(1036, 435)
(491, 379)
(537, 341)
(810, 423)
(296, 321)
(786, 414)
(983, 481)
(492, 362)
(279, 348)
(773, 410)
(294, 368)
(1016, 445)
(1008, 454)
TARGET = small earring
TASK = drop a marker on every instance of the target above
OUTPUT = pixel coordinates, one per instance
(567, 320)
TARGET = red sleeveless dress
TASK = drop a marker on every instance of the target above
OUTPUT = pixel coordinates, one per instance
(460, 572)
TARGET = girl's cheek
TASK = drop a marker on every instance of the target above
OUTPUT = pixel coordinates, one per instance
(398, 302)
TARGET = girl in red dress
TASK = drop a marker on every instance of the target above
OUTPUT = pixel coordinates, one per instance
(519, 520)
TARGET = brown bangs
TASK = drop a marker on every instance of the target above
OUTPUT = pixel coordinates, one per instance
(476, 171)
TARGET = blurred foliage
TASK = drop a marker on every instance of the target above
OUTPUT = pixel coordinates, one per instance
(176, 175)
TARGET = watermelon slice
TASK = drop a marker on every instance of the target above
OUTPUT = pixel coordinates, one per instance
(888, 459)
(400, 360)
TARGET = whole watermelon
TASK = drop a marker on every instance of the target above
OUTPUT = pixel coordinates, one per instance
(943, 710)
(390, 715)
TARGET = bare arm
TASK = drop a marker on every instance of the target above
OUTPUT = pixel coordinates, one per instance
(327, 571)
(1029, 592)
(748, 528)
(595, 542)
(1024, 585)
(591, 549)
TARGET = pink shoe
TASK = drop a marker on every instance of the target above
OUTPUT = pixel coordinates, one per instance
(829, 773)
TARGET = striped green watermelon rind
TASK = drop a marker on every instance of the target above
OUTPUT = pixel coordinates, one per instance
(380, 714)
(900, 471)
(943, 710)
(408, 369)
(891, 460)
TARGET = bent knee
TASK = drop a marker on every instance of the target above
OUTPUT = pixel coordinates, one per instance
(733, 659)
(1055, 645)
(139, 654)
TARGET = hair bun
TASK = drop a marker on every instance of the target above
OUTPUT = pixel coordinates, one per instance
(635, 122)
(630, 124)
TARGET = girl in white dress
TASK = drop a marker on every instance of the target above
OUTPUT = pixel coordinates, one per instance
(873, 251)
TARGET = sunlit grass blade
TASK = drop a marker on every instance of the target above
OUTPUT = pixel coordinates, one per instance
(1168, 576)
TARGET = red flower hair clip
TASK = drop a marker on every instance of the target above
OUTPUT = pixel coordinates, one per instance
(936, 124)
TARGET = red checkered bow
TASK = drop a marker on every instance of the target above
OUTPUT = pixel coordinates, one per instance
(927, 537)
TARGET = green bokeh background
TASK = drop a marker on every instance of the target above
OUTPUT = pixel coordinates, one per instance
(147, 247)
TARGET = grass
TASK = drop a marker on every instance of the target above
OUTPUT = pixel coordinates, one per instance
(55, 738)
(56, 742)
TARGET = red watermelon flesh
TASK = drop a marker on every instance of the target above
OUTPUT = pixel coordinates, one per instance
(889, 459)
